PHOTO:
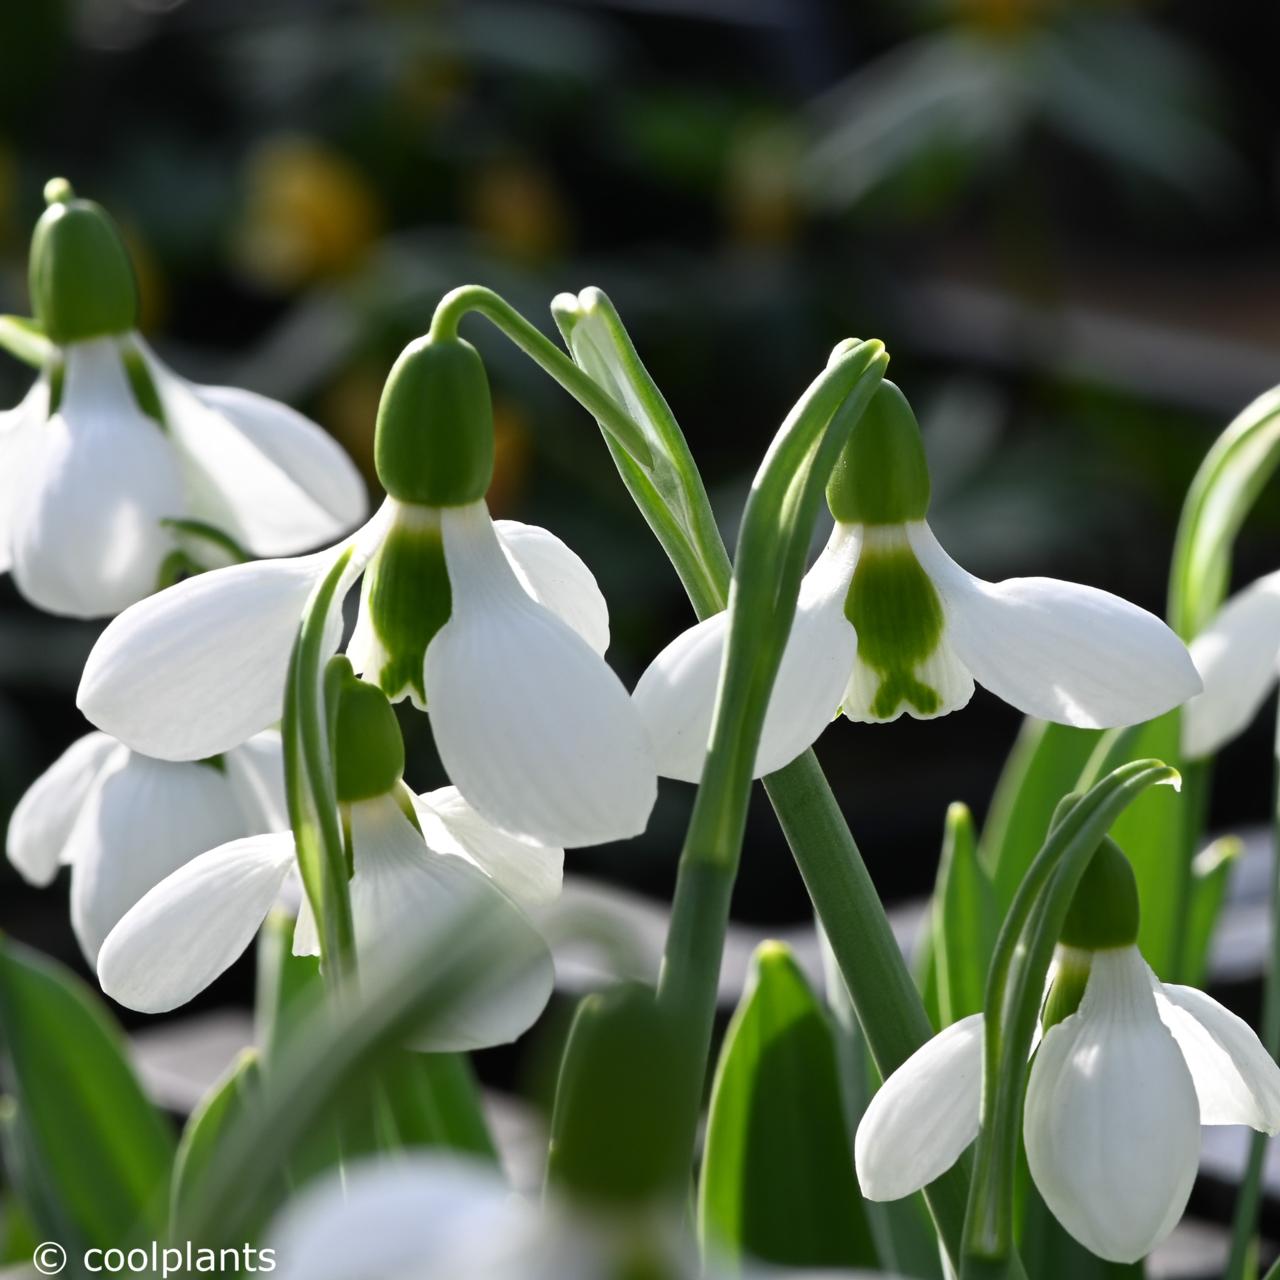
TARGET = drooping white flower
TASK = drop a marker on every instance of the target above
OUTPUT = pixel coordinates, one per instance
(116, 473)
(1237, 655)
(496, 628)
(1117, 1093)
(887, 623)
(418, 864)
(123, 821)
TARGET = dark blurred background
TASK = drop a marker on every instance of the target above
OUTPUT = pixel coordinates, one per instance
(1061, 217)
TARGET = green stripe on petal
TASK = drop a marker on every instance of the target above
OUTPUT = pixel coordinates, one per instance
(406, 600)
(904, 663)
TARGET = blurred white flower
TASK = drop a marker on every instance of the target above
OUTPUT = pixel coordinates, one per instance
(1117, 1093)
(1237, 656)
(99, 498)
(532, 725)
(411, 875)
(441, 1217)
(123, 821)
(887, 623)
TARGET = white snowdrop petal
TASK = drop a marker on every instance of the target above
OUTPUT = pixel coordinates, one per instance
(143, 820)
(306, 937)
(532, 726)
(417, 1216)
(255, 773)
(529, 874)
(1058, 650)
(201, 667)
(556, 577)
(676, 695)
(1236, 658)
(86, 536)
(924, 1116)
(1236, 1079)
(1111, 1123)
(43, 818)
(194, 924)
(19, 435)
(402, 893)
(259, 470)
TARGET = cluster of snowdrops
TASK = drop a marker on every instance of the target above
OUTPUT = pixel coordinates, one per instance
(245, 762)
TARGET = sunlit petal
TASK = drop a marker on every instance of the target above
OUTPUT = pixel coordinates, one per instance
(676, 695)
(924, 1116)
(1236, 657)
(1057, 650)
(87, 538)
(194, 925)
(43, 818)
(1111, 1123)
(532, 726)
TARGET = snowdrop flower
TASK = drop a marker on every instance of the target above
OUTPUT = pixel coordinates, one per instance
(418, 863)
(1125, 1075)
(440, 1217)
(888, 623)
(123, 822)
(1237, 656)
(496, 628)
(116, 473)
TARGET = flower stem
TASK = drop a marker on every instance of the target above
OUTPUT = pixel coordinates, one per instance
(1245, 1223)
(775, 532)
(539, 348)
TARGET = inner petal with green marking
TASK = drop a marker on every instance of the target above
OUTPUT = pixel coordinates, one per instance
(904, 663)
(405, 601)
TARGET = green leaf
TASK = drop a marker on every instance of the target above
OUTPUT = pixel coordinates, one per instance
(1043, 766)
(966, 921)
(433, 1100)
(1210, 877)
(207, 1125)
(326, 1067)
(97, 1150)
(615, 1134)
(777, 1177)
(1231, 477)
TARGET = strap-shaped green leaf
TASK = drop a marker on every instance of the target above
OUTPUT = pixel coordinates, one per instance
(777, 1178)
(97, 1152)
(966, 921)
(1043, 766)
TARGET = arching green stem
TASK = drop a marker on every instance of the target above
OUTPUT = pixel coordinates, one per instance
(539, 348)
(775, 530)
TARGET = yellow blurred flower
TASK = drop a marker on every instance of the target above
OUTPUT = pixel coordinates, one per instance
(310, 214)
(517, 208)
(760, 187)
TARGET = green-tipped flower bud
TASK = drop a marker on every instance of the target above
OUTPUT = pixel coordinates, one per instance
(82, 283)
(434, 444)
(367, 747)
(881, 476)
(1104, 912)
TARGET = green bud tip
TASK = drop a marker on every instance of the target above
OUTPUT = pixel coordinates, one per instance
(367, 747)
(81, 279)
(434, 441)
(881, 476)
(1104, 913)
(58, 191)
